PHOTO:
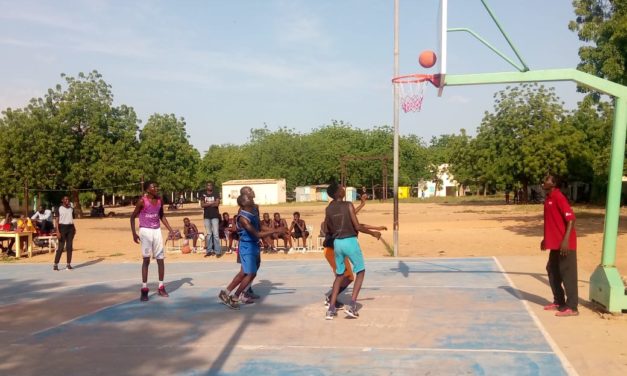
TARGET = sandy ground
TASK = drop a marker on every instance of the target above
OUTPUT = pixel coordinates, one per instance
(593, 342)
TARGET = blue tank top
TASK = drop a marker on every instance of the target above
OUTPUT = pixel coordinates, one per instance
(245, 236)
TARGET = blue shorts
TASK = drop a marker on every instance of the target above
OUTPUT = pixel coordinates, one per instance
(348, 247)
(249, 257)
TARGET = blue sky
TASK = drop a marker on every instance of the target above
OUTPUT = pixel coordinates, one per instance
(229, 66)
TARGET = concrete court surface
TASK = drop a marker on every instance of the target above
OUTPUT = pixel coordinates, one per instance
(418, 317)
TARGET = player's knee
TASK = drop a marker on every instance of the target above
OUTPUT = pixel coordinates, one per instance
(146, 261)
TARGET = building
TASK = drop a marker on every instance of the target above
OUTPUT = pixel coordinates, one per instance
(447, 187)
(311, 193)
(267, 191)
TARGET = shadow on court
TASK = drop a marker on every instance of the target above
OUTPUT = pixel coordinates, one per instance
(90, 321)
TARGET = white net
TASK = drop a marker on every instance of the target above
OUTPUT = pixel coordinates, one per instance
(411, 95)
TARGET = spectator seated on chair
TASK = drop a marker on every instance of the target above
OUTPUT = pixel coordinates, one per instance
(43, 220)
(97, 211)
(267, 241)
(298, 229)
(8, 224)
(190, 231)
(280, 223)
(228, 231)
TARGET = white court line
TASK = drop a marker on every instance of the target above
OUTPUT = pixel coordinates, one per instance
(311, 347)
(77, 286)
(565, 363)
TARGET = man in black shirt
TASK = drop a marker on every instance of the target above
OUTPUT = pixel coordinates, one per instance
(210, 202)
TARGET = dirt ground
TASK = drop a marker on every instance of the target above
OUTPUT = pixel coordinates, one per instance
(593, 342)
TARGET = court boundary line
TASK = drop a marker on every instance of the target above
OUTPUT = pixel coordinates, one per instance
(568, 367)
(376, 261)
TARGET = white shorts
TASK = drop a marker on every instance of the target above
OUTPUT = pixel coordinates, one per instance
(151, 242)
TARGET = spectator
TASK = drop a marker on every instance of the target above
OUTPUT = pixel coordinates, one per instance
(43, 220)
(210, 202)
(280, 223)
(190, 231)
(64, 224)
(8, 224)
(228, 231)
(268, 241)
(298, 229)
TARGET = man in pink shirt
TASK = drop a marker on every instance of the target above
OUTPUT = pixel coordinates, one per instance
(150, 211)
(560, 239)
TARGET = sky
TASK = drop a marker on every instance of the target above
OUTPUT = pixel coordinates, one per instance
(227, 67)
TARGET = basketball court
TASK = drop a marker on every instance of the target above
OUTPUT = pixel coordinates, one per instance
(418, 316)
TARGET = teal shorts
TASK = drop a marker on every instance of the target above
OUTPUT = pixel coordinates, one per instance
(348, 247)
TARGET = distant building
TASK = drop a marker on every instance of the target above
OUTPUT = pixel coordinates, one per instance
(267, 191)
(447, 187)
(311, 193)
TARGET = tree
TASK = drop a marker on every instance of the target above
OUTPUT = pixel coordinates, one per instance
(602, 24)
(527, 135)
(166, 155)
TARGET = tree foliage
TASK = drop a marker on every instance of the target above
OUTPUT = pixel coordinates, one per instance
(602, 24)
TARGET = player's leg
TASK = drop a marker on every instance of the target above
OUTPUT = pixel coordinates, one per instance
(568, 273)
(354, 254)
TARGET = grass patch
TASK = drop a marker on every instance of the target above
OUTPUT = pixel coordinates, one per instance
(89, 251)
(116, 254)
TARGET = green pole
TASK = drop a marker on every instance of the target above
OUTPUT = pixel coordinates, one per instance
(614, 185)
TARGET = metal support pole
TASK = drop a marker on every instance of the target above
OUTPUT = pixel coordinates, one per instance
(396, 129)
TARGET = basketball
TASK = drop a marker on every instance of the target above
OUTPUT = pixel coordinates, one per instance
(427, 58)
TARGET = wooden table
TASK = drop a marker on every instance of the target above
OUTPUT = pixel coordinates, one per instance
(18, 245)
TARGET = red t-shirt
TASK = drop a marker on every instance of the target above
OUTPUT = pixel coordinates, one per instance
(557, 214)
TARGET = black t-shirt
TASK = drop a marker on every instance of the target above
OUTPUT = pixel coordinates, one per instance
(211, 211)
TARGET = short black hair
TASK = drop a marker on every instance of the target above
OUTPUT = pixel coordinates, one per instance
(332, 188)
(147, 184)
(297, 213)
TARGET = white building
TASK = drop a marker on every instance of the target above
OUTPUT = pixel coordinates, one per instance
(267, 191)
(448, 186)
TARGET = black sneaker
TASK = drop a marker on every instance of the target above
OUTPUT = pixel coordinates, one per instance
(69, 267)
(251, 294)
(351, 311)
(233, 304)
(144, 294)
(55, 268)
(224, 297)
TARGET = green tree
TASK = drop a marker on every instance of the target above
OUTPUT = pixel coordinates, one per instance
(602, 24)
(527, 135)
(166, 155)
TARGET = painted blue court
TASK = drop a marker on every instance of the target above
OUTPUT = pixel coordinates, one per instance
(417, 316)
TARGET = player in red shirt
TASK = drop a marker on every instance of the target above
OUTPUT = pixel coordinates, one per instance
(561, 239)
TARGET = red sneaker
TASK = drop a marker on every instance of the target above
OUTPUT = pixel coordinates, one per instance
(551, 307)
(162, 292)
(144, 294)
(567, 312)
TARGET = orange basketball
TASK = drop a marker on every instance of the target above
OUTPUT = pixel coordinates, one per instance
(427, 58)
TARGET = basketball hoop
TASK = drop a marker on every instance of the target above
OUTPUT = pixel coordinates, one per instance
(412, 90)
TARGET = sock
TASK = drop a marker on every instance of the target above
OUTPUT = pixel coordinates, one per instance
(160, 284)
(228, 292)
(144, 285)
(353, 303)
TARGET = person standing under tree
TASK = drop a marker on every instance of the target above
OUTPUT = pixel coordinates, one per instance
(560, 238)
(65, 230)
(210, 202)
(150, 211)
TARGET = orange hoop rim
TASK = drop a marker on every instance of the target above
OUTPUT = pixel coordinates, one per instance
(417, 78)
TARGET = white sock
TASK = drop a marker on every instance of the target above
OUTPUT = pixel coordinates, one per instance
(228, 292)
(144, 285)
(160, 284)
